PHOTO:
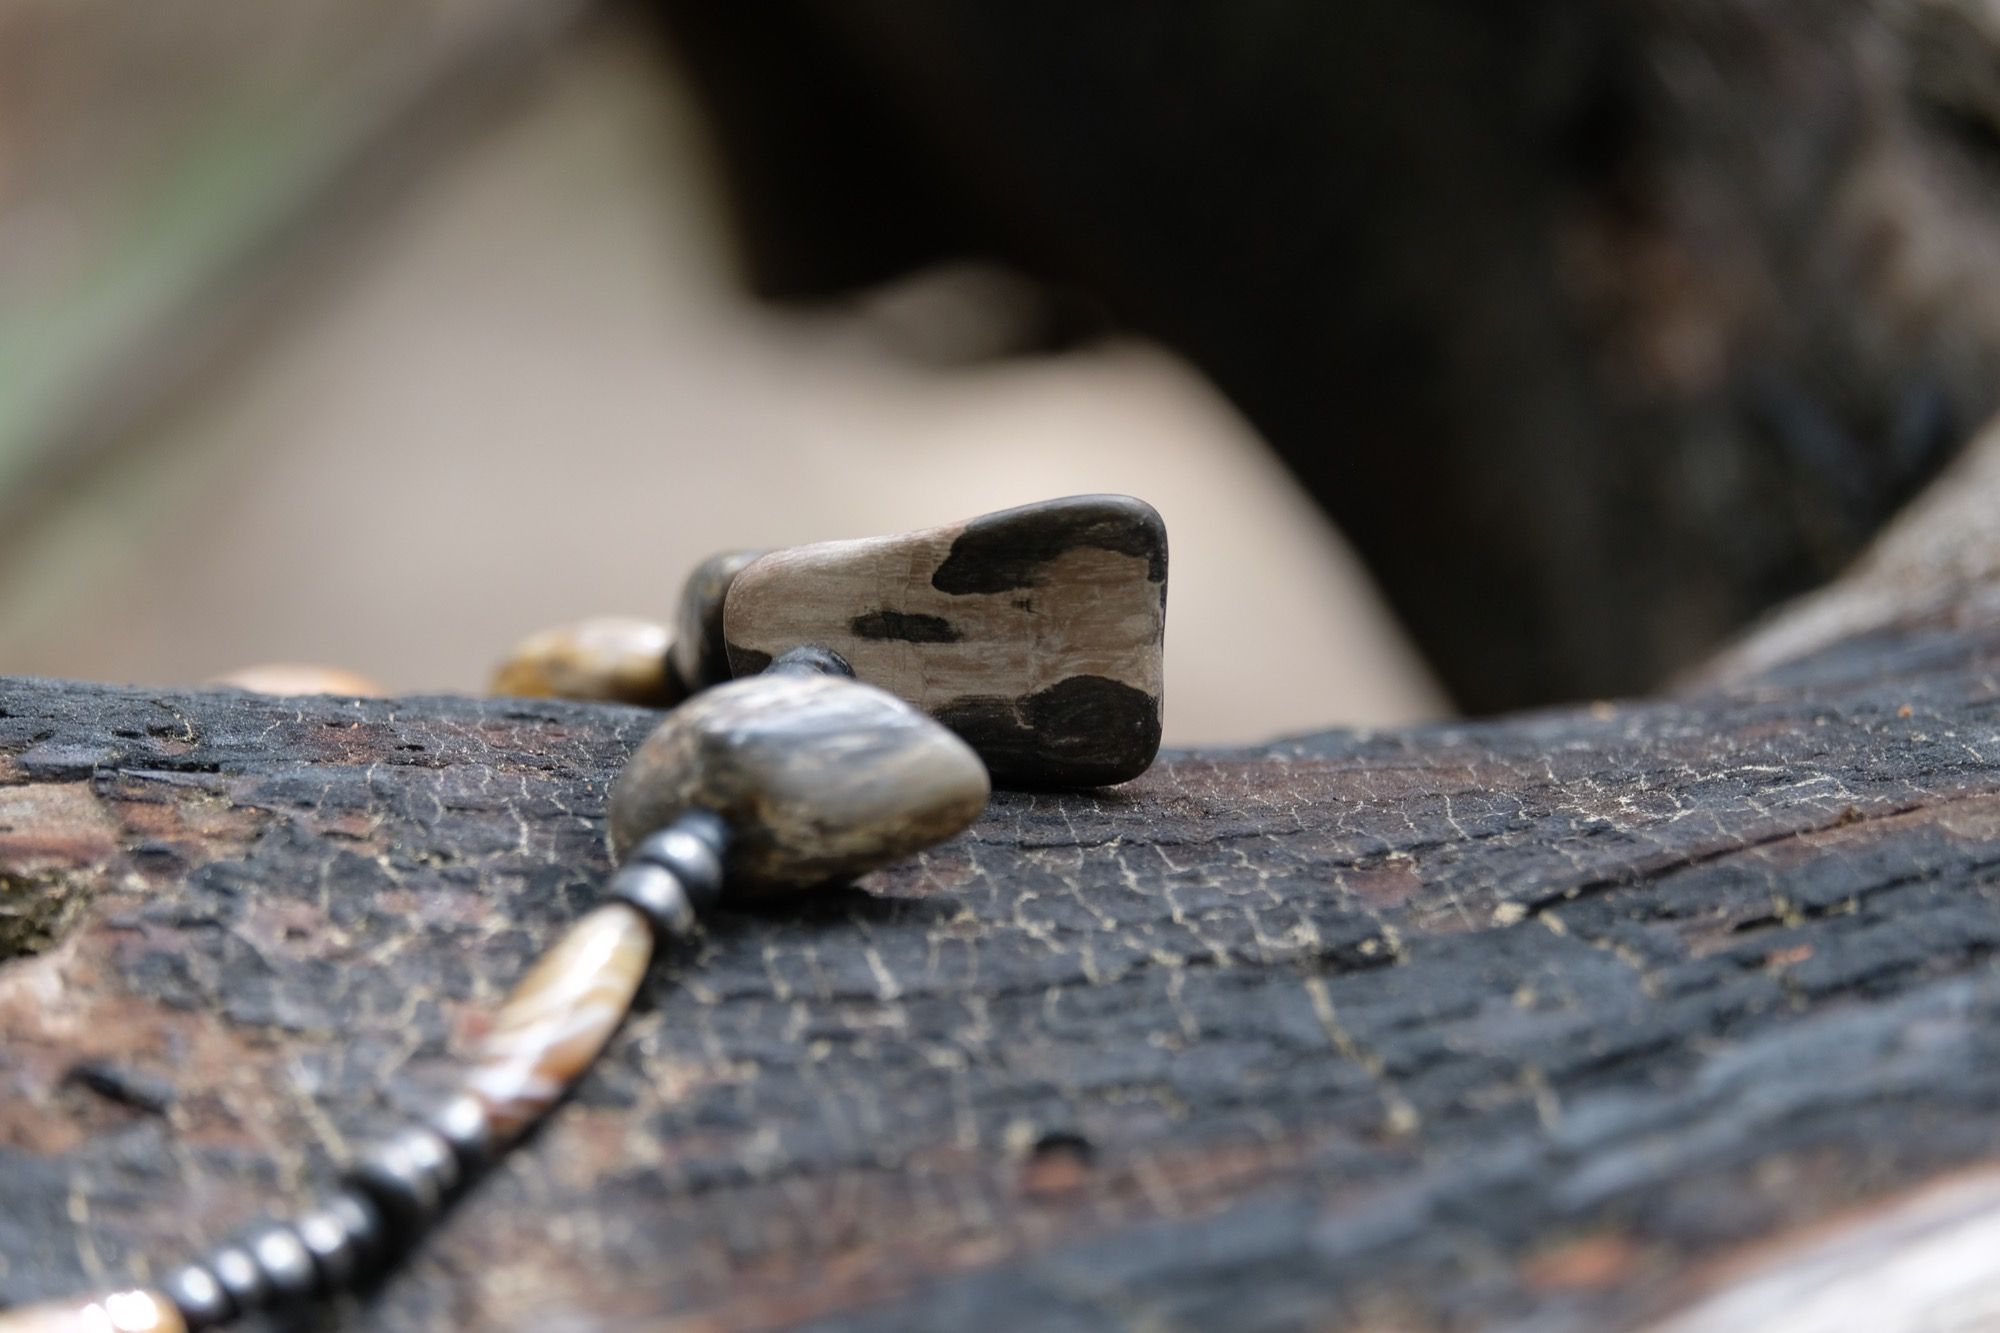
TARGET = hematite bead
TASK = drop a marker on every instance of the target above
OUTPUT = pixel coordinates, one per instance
(343, 1236)
(463, 1123)
(286, 1264)
(694, 861)
(407, 1177)
(199, 1297)
(242, 1277)
(658, 893)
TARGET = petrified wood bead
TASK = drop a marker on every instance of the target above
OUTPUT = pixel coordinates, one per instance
(700, 657)
(559, 1017)
(1034, 633)
(123, 1312)
(819, 779)
(614, 659)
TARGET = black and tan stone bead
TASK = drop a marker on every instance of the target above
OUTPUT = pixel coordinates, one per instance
(1035, 633)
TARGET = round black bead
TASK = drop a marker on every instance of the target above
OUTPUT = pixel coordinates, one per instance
(344, 1236)
(242, 1277)
(200, 1298)
(287, 1265)
(690, 848)
(463, 1124)
(658, 893)
(407, 1178)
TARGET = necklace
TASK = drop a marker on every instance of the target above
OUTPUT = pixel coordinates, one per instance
(837, 707)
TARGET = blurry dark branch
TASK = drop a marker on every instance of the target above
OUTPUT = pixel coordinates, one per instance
(1598, 329)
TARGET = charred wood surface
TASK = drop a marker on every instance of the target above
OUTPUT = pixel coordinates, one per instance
(1531, 1020)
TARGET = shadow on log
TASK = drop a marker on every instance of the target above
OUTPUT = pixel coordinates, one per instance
(1529, 1021)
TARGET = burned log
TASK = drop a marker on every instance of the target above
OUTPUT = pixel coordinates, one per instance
(1535, 1019)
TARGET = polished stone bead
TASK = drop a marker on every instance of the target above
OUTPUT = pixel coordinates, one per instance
(1035, 633)
(612, 659)
(700, 657)
(819, 779)
(119, 1312)
(559, 1017)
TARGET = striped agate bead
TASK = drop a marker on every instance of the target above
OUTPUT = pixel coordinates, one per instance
(559, 1017)
(120, 1312)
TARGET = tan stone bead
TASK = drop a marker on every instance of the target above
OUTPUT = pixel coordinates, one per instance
(559, 1017)
(295, 678)
(819, 779)
(120, 1312)
(611, 659)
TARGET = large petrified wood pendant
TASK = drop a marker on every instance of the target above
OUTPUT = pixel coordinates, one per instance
(1034, 633)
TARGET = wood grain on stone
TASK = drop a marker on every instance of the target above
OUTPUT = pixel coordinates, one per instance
(1035, 633)
(819, 779)
(611, 659)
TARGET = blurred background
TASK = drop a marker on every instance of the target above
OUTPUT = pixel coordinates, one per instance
(1478, 355)
(379, 333)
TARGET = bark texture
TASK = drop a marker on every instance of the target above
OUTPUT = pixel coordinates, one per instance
(1530, 1021)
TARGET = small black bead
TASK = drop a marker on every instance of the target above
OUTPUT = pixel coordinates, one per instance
(810, 660)
(407, 1178)
(242, 1277)
(463, 1124)
(658, 894)
(287, 1265)
(344, 1236)
(200, 1297)
(684, 848)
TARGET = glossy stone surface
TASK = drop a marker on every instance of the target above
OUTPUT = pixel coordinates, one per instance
(559, 1017)
(612, 659)
(819, 779)
(123, 1312)
(1035, 633)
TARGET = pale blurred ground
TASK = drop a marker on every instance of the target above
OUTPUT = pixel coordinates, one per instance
(529, 390)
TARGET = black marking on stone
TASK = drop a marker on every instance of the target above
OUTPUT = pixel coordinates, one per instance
(1008, 550)
(904, 627)
(1086, 731)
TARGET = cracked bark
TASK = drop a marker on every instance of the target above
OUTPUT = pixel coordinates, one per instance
(1534, 1020)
